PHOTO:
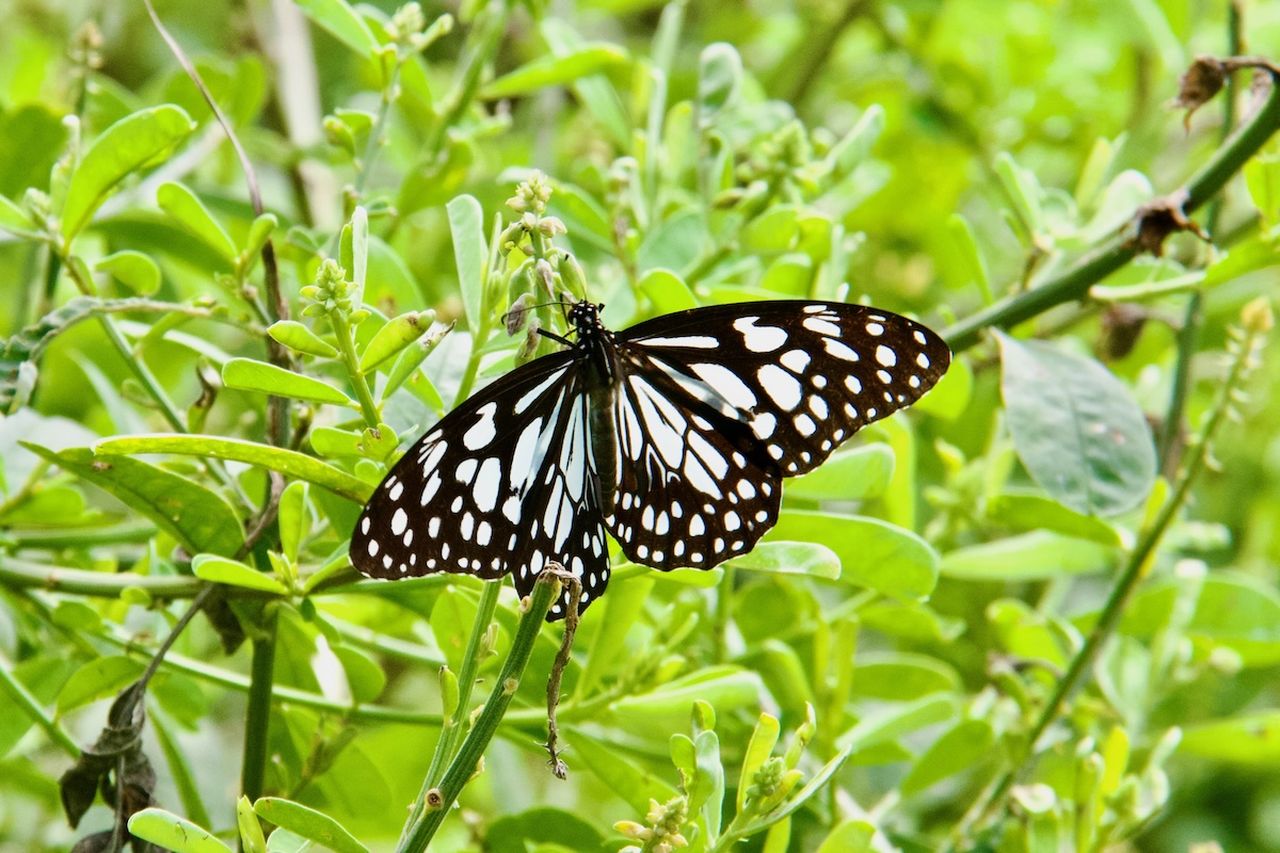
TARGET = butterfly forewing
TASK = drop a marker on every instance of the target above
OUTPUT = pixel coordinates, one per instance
(717, 404)
(502, 484)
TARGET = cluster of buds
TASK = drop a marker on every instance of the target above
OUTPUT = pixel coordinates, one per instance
(530, 201)
(777, 155)
(662, 835)
(409, 30)
(332, 293)
(771, 784)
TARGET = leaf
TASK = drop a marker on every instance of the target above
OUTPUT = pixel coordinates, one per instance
(856, 474)
(719, 75)
(299, 338)
(852, 836)
(517, 833)
(855, 146)
(555, 69)
(98, 679)
(1039, 555)
(873, 553)
(248, 374)
(308, 823)
(889, 724)
(133, 269)
(1076, 428)
(294, 519)
(466, 224)
(667, 707)
(343, 23)
(364, 676)
(15, 220)
(964, 746)
(174, 833)
(622, 607)
(199, 519)
(1019, 511)
(188, 211)
(126, 146)
(251, 838)
(396, 334)
(674, 244)
(791, 558)
(217, 569)
(763, 739)
(1251, 740)
(287, 462)
(667, 291)
(615, 768)
(901, 676)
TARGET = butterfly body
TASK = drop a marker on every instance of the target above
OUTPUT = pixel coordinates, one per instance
(673, 435)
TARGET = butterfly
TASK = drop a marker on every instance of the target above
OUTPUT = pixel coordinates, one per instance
(673, 436)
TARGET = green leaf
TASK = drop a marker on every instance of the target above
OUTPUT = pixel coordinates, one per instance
(294, 519)
(466, 224)
(791, 558)
(234, 573)
(133, 269)
(667, 291)
(1262, 177)
(667, 707)
(287, 462)
(719, 75)
(621, 610)
(1076, 428)
(616, 769)
(97, 679)
(364, 676)
(855, 146)
(126, 146)
(964, 746)
(676, 243)
(251, 837)
(890, 723)
(201, 520)
(1232, 610)
(1039, 555)
(308, 823)
(186, 208)
(763, 739)
(174, 833)
(299, 338)
(1024, 192)
(519, 833)
(1248, 739)
(15, 220)
(396, 334)
(901, 676)
(856, 474)
(248, 374)
(873, 553)
(343, 23)
(595, 91)
(555, 70)
(852, 836)
(1023, 512)
(975, 265)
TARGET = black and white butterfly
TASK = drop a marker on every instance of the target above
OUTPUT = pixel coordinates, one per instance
(673, 436)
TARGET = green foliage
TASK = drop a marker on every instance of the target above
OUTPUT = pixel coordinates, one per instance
(1036, 612)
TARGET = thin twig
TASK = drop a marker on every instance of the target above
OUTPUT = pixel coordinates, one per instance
(573, 595)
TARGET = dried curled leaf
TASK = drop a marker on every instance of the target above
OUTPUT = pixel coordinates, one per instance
(1159, 218)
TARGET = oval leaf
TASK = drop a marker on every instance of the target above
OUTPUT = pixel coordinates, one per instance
(124, 147)
(299, 338)
(308, 823)
(1076, 427)
(98, 679)
(174, 833)
(189, 211)
(249, 374)
(216, 569)
(133, 269)
(555, 70)
(396, 334)
(849, 475)
(466, 224)
(1039, 555)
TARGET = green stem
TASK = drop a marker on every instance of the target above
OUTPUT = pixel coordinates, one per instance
(467, 761)
(20, 696)
(80, 537)
(451, 731)
(1109, 618)
(482, 44)
(1093, 267)
(258, 715)
(342, 328)
(478, 340)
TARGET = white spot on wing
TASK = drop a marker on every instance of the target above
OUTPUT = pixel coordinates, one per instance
(760, 338)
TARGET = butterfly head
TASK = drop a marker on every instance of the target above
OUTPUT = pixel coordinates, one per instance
(584, 317)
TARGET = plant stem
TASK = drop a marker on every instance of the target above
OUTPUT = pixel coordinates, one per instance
(454, 718)
(258, 715)
(22, 698)
(468, 758)
(482, 44)
(1093, 267)
(342, 328)
(1135, 570)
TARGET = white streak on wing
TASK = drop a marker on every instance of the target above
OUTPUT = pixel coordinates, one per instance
(821, 326)
(691, 341)
(727, 384)
(482, 431)
(535, 392)
(712, 458)
(759, 338)
(573, 452)
(522, 459)
(488, 482)
(663, 422)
